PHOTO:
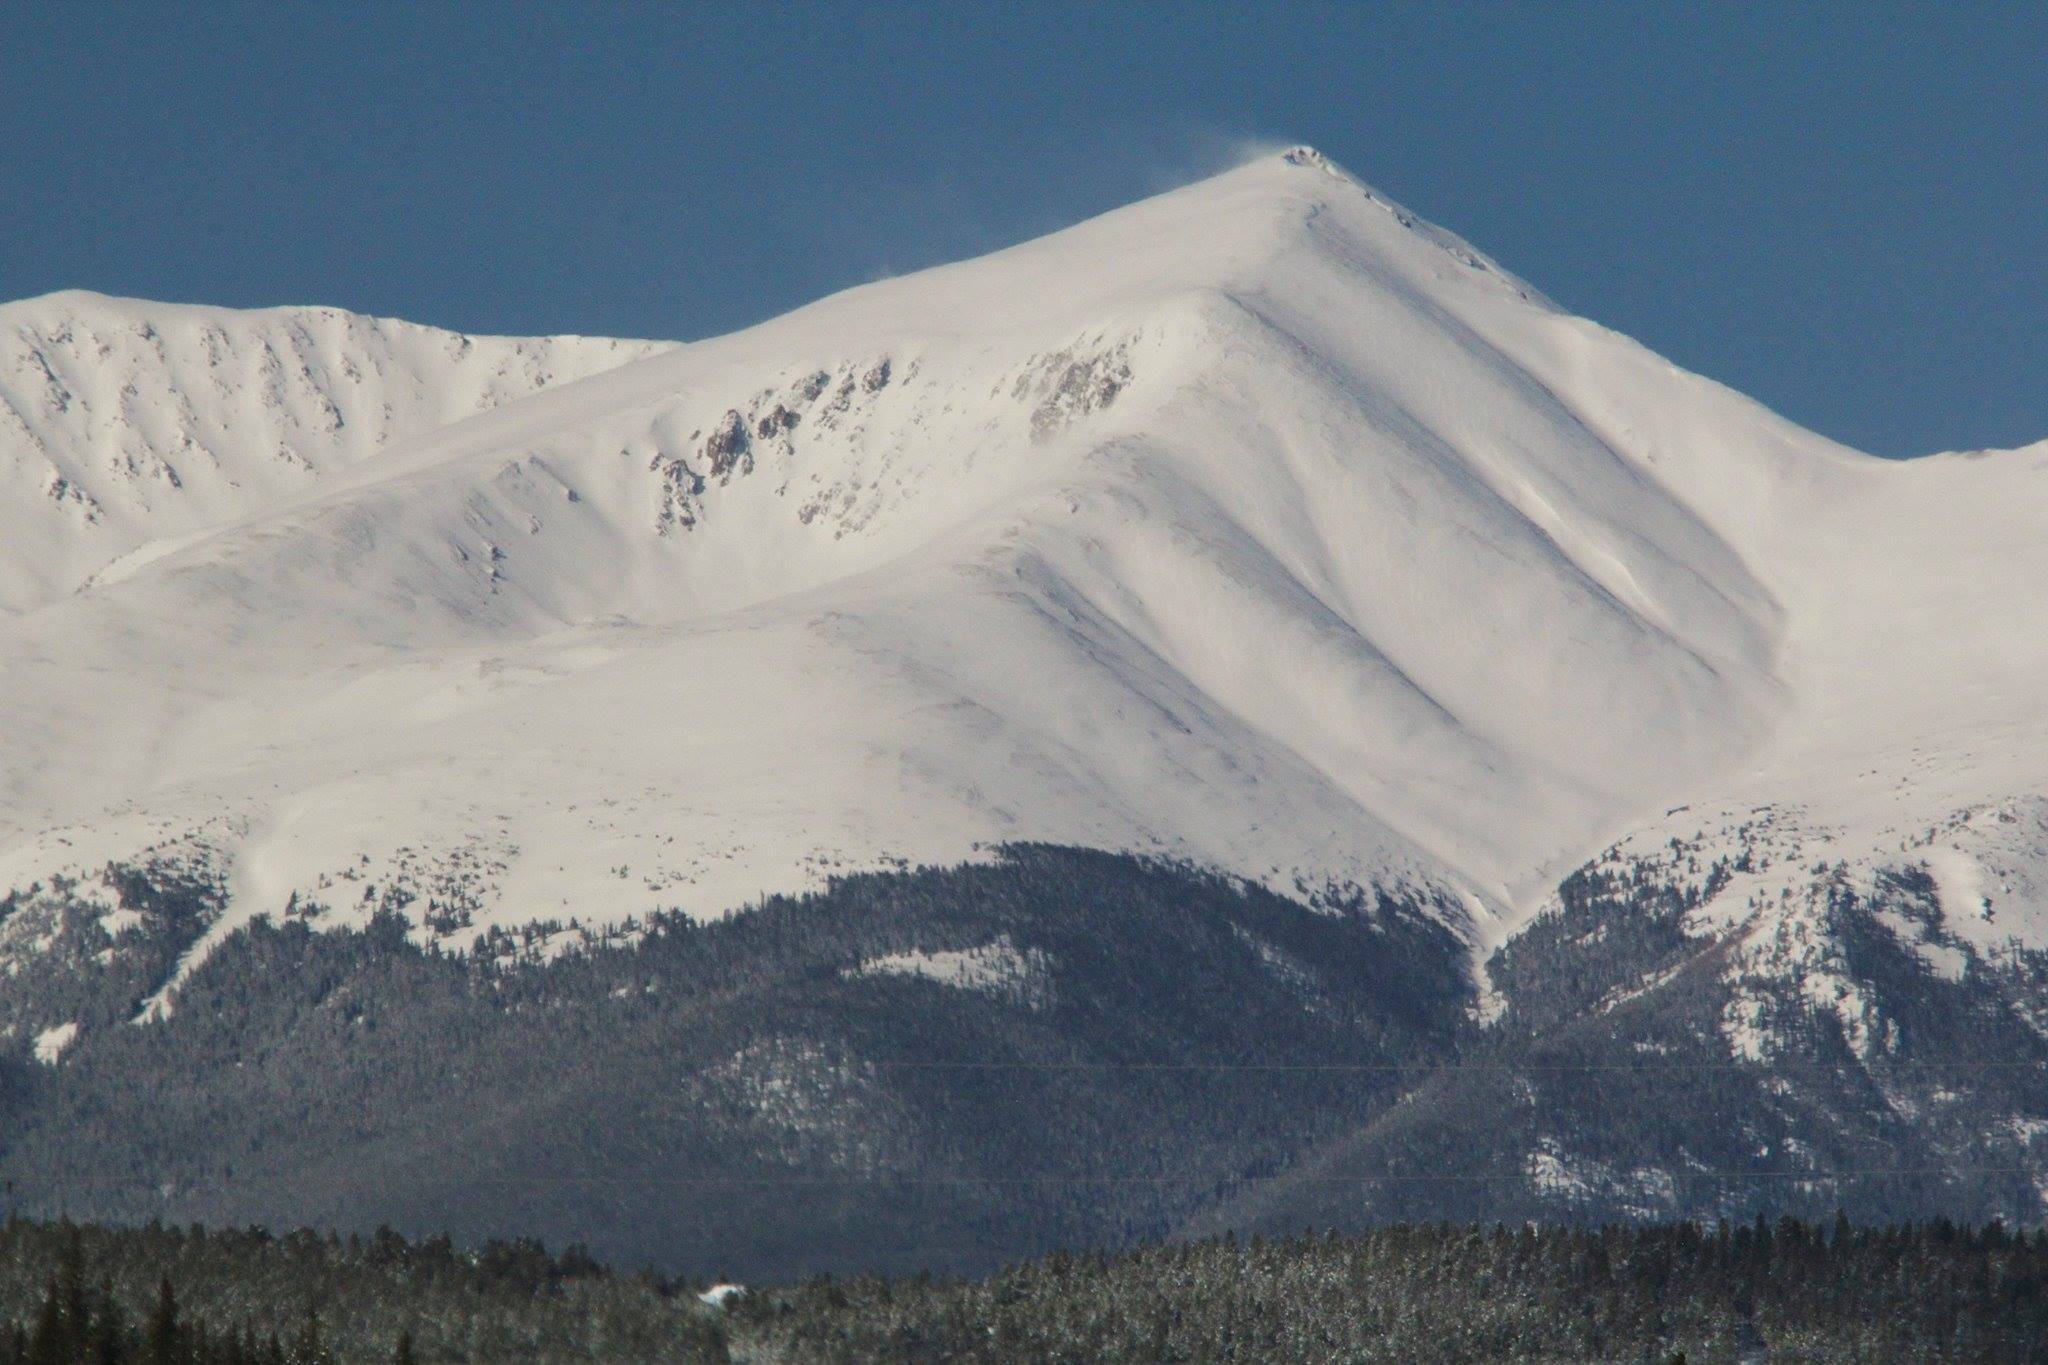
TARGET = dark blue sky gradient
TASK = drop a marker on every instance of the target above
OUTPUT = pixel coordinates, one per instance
(1842, 210)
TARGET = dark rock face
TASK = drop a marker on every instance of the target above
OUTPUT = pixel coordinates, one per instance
(1078, 388)
(680, 488)
(825, 398)
(727, 447)
(775, 422)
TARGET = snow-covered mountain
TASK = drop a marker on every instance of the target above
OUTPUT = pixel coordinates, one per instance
(1258, 523)
(1586, 717)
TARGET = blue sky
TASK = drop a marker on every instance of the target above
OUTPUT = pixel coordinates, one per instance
(1842, 210)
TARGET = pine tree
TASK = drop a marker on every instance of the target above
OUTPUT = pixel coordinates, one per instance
(307, 1348)
(48, 1345)
(109, 1330)
(164, 1342)
(73, 1306)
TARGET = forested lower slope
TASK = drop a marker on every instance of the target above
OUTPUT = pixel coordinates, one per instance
(943, 1067)
(954, 1067)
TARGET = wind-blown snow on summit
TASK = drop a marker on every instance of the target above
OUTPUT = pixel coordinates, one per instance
(1258, 524)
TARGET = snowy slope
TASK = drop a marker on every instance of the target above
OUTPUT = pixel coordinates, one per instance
(124, 422)
(1257, 523)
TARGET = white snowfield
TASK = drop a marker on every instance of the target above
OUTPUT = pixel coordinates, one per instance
(127, 426)
(1258, 524)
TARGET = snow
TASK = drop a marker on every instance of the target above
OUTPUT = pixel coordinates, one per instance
(117, 922)
(1557, 1174)
(129, 429)
(49, 1045)
(1258, 524)
(1959, 882)
(994, 968)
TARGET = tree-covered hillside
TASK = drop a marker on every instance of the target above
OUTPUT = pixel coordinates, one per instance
(952, 1067)
(932, 1068)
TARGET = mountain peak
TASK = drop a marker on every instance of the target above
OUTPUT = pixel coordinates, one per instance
(1305, 155)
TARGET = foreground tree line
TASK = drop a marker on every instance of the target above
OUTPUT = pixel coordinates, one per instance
(75, 1324)
(1658, 1293)
(89, 1294)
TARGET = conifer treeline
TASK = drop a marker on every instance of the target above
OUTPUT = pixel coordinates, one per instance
(1659, 1293)
(1656, 1293)
(75, 1326)
(86, 1294)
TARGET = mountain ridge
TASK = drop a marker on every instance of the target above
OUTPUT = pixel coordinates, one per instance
(139, 420)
